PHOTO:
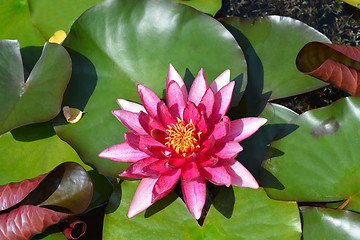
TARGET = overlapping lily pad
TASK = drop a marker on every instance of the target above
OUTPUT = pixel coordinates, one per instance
(51, 16)
(276, 41)
(37, 99)
(318, 162)
(206, 6)
(118, 43)
(15, 23)
(237, 213)
(338, 65)
(323, 223)
(32, 150)
(32, 205)
(256, 145)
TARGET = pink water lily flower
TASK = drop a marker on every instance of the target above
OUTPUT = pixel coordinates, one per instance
(188, 138)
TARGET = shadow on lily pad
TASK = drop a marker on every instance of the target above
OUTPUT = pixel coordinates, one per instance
(81, 85)
(254, 97)
(225, 201)
(30, 56)
(33, 132)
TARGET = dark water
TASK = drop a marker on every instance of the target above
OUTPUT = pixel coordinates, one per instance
(337, 20)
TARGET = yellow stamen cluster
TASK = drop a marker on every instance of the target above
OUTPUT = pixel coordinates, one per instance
(183, 138)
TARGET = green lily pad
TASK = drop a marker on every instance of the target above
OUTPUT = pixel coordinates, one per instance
(256, 145)
(119, 43)
(32, 150)
(15, 23)
(355, 3)
(275, 41)
(38, 99)
(237, 213)
(324, 223)
(51, 16)
(318, 162)
(210, 7)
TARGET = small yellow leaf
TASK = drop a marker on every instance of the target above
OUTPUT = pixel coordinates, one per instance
(58, 37)
(72, 115)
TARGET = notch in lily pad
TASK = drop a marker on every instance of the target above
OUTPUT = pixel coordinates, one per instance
(37, 98)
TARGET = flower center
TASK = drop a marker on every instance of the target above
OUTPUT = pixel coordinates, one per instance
(183, 138)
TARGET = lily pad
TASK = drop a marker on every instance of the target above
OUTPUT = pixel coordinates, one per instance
(318, 162)
(276, 42)
(32, 150)
(51, 16)
(210, 7)
(119, 43)
(256, 146)
(237, 213)
(338, 65)
(45, 200)
(324, 223)
(38, 99)
(355, 3)
(15, 23)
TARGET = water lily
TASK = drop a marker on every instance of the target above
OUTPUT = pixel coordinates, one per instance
(188, 138)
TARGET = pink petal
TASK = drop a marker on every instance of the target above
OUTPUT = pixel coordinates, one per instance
(165, 184)
(240, 176)
(201, 125)
(173, 75)
(206, 160)
(191, 113)
(130, 120)
(164, 115)
(143, 197)
(190, 171)
(216, 174)
(207, 144)
(220, 81)
(160, 152)
(158, 167)
(176, 162)
(198, 88)
(122, 152)
(139, 168)
(207, 102)
(226, 150)
(149, 99)
(194, 193)
(148, 123)
(175, 100)
(243, 128)
(130, 106)
(141, 142)
(159, 136)
(221, 103)
(221, 129)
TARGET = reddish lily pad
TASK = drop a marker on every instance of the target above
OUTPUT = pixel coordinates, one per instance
(237, 213)
(38, 98)
(318, 162)
(115, 49)
(338, 65)
(324, 223)
(45, 200)
(271, 45)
